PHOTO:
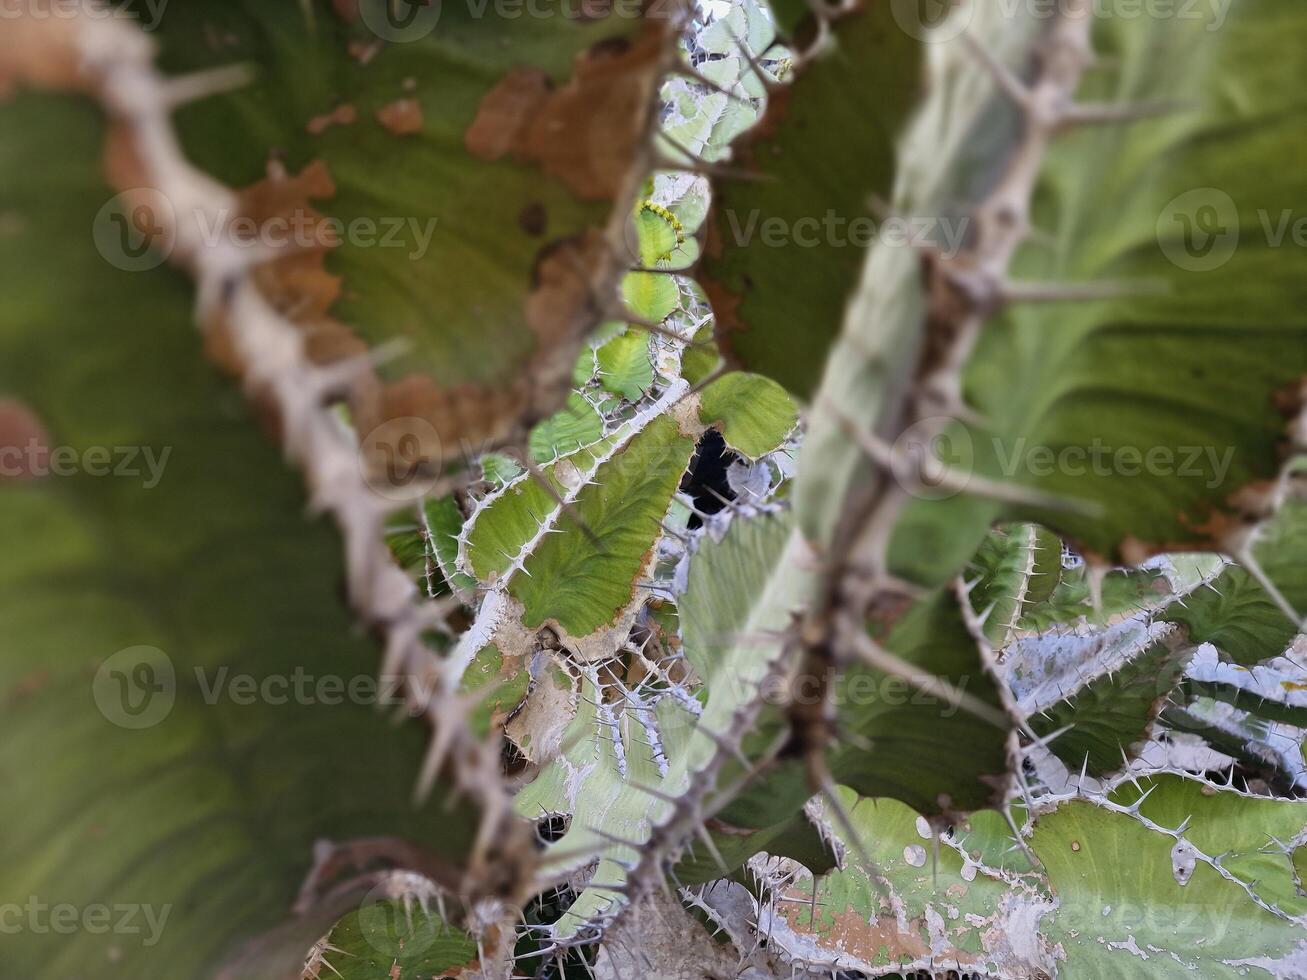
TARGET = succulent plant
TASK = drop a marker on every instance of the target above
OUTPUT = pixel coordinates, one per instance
(657, 490)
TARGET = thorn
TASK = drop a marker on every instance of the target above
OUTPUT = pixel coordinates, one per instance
(858, 741)
(1008, 83)
(613, 838)
(434, 761)
(831, 794)
(1045, 740)
(717, 372)
(945, 478)
(656, 328)
(769, 84)
(564, 505)
(1099, 113)
(655, 793)
(694, 74)
(1247, 560)
(1076, 292)
(1018, 838)
(878, 658)
(1134, 807)
(671, 533)
(534, 953)
(726, 502)
(566, 855)
(697, 164)
(726, 745)
(711, 845)
(199, 85)
(1125, 767)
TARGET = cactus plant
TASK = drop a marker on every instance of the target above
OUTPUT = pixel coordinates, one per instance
(919, 597)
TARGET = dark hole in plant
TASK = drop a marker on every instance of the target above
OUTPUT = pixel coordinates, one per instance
(552, 827)
(706, 481)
